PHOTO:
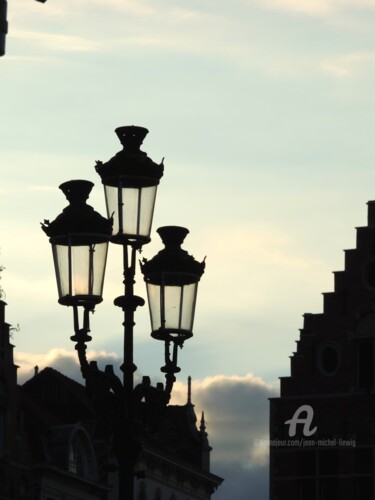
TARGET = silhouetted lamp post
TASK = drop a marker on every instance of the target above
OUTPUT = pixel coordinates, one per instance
(79, 237)
(3, 25)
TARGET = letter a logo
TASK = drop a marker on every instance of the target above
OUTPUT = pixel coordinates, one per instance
(306, 421)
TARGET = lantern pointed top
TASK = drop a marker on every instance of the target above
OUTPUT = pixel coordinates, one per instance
(131, 136)
(77, 191)
(172, 235)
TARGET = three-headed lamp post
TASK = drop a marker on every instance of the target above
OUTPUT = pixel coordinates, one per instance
(79, 237)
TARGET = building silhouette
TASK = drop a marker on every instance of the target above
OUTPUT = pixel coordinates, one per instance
(322, 427)
(54, 446)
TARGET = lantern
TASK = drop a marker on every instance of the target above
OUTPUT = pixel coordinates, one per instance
(79, 237)
(130, 182)
(172, 278)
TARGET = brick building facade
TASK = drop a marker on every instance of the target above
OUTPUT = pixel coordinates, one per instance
(322, 427)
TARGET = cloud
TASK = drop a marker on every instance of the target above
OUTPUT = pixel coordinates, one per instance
(321, 8)
(347, 65)
(242, 483)
(134, 25)
(310, 7)
(265, 258)
(62, 360)
(236, 412)
(59, 42)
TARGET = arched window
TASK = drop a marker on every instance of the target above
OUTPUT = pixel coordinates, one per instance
(81, 459)
(142, 491)
(77, 457)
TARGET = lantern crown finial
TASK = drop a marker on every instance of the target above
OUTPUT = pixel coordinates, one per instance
(172, 235)
(77, 191)
(131, 137)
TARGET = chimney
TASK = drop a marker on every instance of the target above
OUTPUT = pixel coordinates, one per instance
(2, 312)
(371, 213)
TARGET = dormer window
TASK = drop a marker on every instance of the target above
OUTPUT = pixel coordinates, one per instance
(81, 459)
(77, 458)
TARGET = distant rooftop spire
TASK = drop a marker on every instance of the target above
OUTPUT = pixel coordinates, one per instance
(189, 391)
(202, 427)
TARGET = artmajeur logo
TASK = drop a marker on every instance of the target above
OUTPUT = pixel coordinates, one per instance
(304, 416)
(306, 421)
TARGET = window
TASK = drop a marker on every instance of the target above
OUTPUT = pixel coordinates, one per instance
(328, 462)
(142, 491)
(363, 460)
(81, 457)
(364, 488)
(328, 488)
(2, 431)
(328, 358)
(306, 489)
(365, 363)
(77, 458)
(369, 274)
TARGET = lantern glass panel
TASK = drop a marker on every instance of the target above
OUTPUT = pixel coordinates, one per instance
(80, 269)
(132, 209)
(188, 306)
(153, 295)
(172, 307)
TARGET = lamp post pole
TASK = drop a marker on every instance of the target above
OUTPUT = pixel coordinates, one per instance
(79, 237)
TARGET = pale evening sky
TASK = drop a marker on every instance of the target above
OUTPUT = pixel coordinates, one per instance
(264, 111)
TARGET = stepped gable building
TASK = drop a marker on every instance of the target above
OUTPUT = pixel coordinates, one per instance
(53, 446)
(322, 427)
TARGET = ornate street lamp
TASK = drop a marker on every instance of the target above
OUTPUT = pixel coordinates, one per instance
(172, 278)
(79, 238)
(130, 181)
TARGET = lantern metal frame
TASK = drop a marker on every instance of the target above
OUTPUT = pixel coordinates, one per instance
(171, 269)
(79, 226)
(130, 170)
